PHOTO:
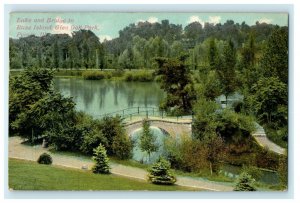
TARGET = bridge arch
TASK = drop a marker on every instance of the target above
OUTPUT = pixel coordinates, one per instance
(173, 128)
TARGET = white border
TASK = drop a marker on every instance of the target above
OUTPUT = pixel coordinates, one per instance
(148, 8)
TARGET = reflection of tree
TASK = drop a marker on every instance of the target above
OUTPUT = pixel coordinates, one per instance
(116, 89)
(99, 97)
(102, 91)
(87, 92)
(130, 97)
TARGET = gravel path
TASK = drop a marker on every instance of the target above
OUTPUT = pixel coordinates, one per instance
(262, 139)
(21, 151)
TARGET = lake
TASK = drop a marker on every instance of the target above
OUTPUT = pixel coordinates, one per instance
(98, 97)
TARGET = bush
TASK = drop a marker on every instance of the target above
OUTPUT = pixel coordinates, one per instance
(245, 183)
(94, 75)
(101, 159)
(45, 159)
(160, 173)
(140, 76)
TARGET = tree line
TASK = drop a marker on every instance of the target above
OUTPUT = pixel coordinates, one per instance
(135, 48)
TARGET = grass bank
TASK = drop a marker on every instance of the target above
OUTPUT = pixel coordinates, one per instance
(28, 175)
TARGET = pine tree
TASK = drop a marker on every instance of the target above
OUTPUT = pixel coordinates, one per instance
(245, 183)
(160, 173)
(101, 159)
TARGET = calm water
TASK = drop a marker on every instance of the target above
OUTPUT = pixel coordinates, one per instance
(97, 97)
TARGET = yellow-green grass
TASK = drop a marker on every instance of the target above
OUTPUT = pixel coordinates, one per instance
(28, 175)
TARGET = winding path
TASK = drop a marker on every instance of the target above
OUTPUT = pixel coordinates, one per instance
(21, 151)
(262, 139)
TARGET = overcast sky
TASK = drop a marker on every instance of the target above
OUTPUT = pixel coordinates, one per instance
(107, 25)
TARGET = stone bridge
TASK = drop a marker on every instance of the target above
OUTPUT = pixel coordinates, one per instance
(172, 127)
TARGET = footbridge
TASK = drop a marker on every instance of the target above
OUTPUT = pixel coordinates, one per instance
(133, 119)
(177, 125)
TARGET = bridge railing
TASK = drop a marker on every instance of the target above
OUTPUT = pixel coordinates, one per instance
(130, 113)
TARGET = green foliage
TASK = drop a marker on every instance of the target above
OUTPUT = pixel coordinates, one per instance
(45, 159)
(176, 81)
(160, 173)
(187, 154)
(147, 139)
(253, 171)
(245, 183)
(122, 146)
(117, 142)
(275, 56)
(140, 76)
(283, 170)
(270, 101)
(101, 159)
(226, 69)
(26, 89)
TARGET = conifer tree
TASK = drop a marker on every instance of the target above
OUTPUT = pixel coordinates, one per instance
(245, 183)
(101, 159)
(160, 173)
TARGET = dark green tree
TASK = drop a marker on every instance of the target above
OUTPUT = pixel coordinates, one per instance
(56, 55)
(226, 70)
(270, 100)
(275, 56)
(147, 139)
(176, 81)
(160, 173)
(101, 159)
(245, 183)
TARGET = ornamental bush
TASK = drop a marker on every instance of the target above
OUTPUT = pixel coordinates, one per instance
(101, 159)
(45, 159)
(245, 183)
(160, 173)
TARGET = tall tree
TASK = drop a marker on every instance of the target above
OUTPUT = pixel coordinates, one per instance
(226, 70)
(147, 139)
(55, 55)
(275, 56)
(176, 81)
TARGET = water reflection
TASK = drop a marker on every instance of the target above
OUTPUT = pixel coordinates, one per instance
(101, 97)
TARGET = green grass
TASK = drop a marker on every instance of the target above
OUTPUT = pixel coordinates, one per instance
(28, 175)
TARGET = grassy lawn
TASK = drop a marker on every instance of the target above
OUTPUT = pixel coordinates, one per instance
(28, 175)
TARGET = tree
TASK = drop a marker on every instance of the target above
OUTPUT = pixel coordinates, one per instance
(101, 159)
(177, 83)
(226, 70)
(245, 183)
(56, 60)
(147, 139)
(213, 54)
(160, 173)
(270, 100)
(122, 146)
(275, 57)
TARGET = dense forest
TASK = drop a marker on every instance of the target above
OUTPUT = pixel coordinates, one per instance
(136, 45)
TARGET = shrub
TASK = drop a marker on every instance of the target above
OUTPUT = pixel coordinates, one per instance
(245, 183)
(140, 76)
(122, 146)
(101, 159)
(160, 173)
(93, 75)
(45, 159)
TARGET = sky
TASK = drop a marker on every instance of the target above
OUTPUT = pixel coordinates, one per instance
(108, 25)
